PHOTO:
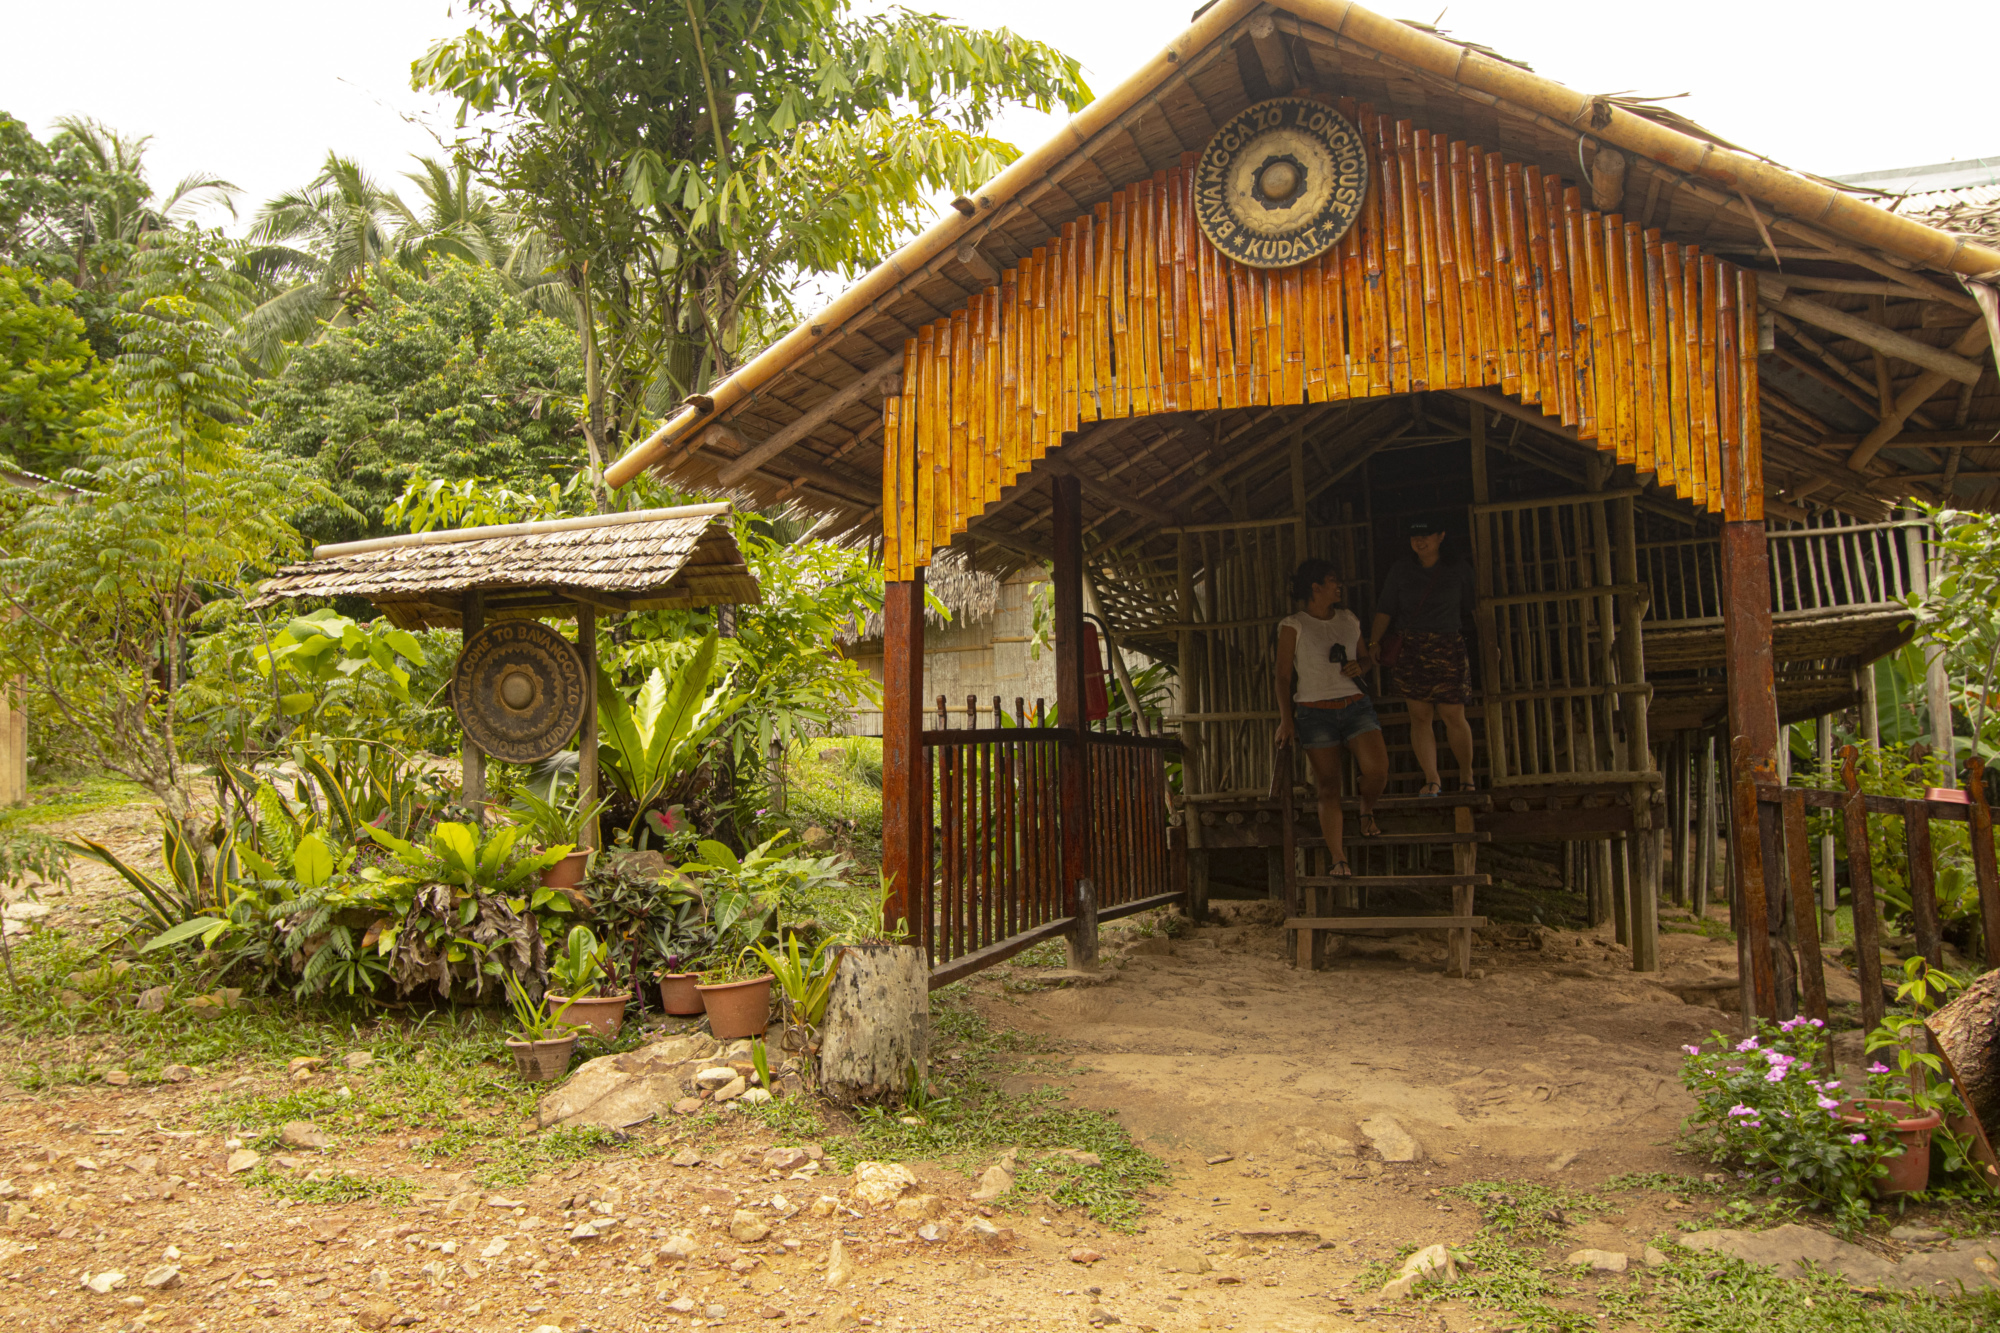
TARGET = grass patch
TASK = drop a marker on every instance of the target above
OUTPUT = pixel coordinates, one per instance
(1505, 1270)
(51, 802)
(835, 784)
(517, 1161)
(390, 1192)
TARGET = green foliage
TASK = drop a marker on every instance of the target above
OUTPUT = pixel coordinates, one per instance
(580, 966)
(176, 510)
(688, 168)
(555, 816)
(50, 380)
(533, 1019)
(805, 979)
(1891, 772)
(652, 745)
(1758, 1104)
(447, 377)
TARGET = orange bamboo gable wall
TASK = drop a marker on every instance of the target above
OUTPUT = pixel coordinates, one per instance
(1464, 270)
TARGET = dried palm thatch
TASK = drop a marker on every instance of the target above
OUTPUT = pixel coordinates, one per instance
(647, 560)
(1972, 211)
(971, 595)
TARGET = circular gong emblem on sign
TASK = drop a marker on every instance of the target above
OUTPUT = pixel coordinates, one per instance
(518, 690)
(1281, 183)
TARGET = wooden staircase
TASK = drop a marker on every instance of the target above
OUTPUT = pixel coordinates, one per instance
(1317, 906)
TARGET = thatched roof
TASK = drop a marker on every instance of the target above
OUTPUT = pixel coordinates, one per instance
(971, 595)
(1971, 211)
(647, 560)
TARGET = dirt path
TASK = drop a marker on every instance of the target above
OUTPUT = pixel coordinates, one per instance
(1261, 1087)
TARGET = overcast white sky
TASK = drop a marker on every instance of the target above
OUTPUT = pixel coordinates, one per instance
(258, 92)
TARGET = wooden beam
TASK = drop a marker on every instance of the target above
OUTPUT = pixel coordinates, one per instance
(874, 382)
(1111, 495)
(472, 759)
(597, 601)
(586, 737)
(906, 798)
(977, 264)
(1888, 341)
(1915, 396)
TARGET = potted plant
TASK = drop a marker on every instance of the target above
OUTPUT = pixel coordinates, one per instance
(737, 996)
(675, 943)
(557, 823)
(1910, 1101)
(805, 981)
(577, 970)
(543, 1043)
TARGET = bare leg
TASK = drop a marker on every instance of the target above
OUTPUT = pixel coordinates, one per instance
(1423, 738)
(1458, 733)
(1371, 758)
(1325, 761)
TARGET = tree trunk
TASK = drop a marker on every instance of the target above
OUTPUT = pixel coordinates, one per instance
(876, 1040)
(1968, 1032)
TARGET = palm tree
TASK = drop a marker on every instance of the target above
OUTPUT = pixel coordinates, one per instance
(324, 239)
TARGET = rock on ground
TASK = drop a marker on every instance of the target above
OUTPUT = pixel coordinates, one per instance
(1599, 1261)
(1433, 1263)
(882, 1182)
(616, 1091)
(1391, 1140)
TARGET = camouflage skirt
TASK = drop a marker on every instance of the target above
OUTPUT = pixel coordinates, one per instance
(1433, 668)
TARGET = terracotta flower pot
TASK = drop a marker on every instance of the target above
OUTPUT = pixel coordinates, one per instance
(602, 1014)
(568, 872)
(1911, 1171)
(738, 1008)
(679, 995)
(542, 1061)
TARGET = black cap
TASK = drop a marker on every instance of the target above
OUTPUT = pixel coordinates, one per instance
(1425, 527)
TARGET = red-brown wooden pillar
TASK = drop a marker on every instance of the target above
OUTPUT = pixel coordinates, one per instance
(1753, 721)
(906, 800)
(1072, 756)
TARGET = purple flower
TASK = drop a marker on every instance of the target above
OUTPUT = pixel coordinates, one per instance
(1816, 1023)
(1878, 1068)
(1740, 1109)
(1831, 1085)
(1777, 1074)
(1692, 1050)
(1791, 1023)
(1777, 1058)
(1747, 1044)
(1828, 1104)
(1857, 1138)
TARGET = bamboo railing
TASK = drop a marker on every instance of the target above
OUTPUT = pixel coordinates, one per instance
(992, 874)
(1815, 571)
(1463, 270)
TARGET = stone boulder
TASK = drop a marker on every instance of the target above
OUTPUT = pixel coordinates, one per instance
(1972, 1264)
(616, 1091)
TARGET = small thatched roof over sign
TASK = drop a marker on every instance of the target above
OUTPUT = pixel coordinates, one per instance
(647, 560)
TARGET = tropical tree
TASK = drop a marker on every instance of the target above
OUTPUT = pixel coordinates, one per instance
(50, 380)
(323, 240)
(693, 161)
(170, 511)
(453, 377)
(78, 208)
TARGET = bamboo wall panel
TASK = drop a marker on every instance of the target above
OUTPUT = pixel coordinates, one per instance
(1463, 270)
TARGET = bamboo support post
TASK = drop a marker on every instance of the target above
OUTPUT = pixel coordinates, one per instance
(589, 837)
(1752, 911)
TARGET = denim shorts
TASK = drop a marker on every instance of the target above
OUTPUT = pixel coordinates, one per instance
(1320, 727)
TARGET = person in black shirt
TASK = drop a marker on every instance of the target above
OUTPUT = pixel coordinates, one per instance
(1425, 600)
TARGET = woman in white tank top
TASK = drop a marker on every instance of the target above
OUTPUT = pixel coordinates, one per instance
(1321, 705)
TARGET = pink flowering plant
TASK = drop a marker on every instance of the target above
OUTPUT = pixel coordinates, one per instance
(1770, 1106)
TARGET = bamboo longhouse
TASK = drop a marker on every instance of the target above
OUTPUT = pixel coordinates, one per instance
(1667, 395)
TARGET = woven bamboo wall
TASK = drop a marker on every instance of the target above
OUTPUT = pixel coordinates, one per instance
(1464, 270)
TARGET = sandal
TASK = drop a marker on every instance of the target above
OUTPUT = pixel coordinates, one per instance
(1369, 827)
(1430, 789)
(1340, 870)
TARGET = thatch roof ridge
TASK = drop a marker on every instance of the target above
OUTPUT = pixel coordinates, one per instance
(970, 595)
(643, 560)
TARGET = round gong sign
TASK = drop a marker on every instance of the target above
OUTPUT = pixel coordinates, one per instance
(1281, 182)
(518, 690)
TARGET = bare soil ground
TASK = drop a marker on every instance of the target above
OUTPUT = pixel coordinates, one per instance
(1257, 1084)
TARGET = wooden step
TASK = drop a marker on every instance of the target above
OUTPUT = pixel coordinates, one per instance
(1386, 923)
(1403, 805)
(1398, 881)
(1398, 839)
